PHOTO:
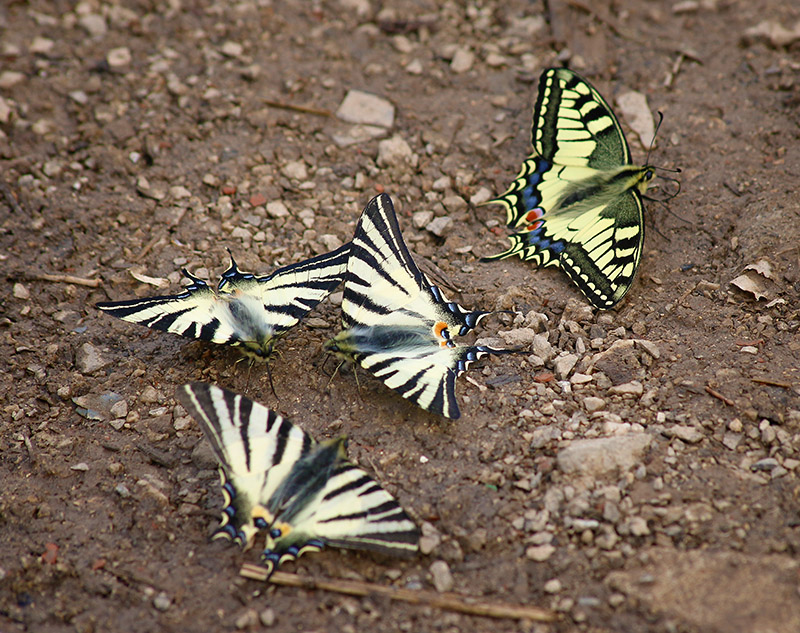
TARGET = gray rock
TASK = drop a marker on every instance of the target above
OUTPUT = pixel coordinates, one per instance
(540, 553)
(593, 403)
(442, 578)
(439, 226)
(276, 209)
(366, 108)
(541, 347)
(603, 456)
(421, 219)
(89, 359)
(162, 602)
(295, 170)
(462, 61)
(94, 24)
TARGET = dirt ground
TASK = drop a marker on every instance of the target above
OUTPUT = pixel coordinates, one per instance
(639, 473)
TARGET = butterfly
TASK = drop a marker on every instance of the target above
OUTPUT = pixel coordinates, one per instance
(304, 494)
(577, 201)
(245, 311)
(398, 325)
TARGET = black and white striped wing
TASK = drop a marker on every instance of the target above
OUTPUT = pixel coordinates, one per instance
(246, 311)
(384, 285)
(397, 324)
(304, 494)
(256, 449)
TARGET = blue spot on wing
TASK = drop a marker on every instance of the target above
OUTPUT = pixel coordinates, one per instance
(530, 193)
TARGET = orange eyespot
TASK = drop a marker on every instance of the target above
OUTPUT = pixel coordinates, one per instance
(534, 226)
(534, 214)
(441, 332)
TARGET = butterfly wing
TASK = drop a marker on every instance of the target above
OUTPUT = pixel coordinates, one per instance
(577, 198)
(246, 311)
(398, 325)
(383, 281)
(256, 449)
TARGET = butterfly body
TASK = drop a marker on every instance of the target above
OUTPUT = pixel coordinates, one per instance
(398, 325)
(246, 311)
(576, 202)
(303, 494)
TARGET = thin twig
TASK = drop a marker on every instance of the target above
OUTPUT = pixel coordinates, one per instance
(65, 279)
(298, 108)
(11, 198)
(718, 395)
(676, 67)
(448, 601)
(773, 383)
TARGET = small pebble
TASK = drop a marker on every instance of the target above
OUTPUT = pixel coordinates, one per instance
(442, 578)
(21, 292)
(540, 553)
(365, 108)
(552, 586)
(118, 57)
(162, 602)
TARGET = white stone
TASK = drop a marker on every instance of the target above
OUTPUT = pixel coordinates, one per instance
(540, 553)
(421, 219)
(10, 78)
(462, 60)
(330, 241)
(395, 151)
(366, 108)
(688, 434)
(93, 24)
(41, 45)
(593, 403)
(118, 57)
(295, 170)
(442, 578)
(541, 347)
(232, 49)
(603, 456)
(21, 292)
(552, 586)
(480, 196)
(414, 67)
(632, 388)
(358, 134)
(276, 209)
(563, 365)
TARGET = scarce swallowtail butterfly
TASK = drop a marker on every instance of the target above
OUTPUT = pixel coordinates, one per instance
(303, 494)
(398, 325)
(577, 201)
(245, 311)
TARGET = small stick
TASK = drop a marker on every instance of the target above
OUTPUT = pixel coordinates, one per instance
(65, 279)
(448, 601)
(297, 108)
(11, 198)
(718, 395)
(773, 383)
(676, 67)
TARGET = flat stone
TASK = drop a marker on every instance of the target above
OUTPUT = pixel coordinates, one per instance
(421, 219)
(593, 403)
(603, 456)
(21, 292)
(540, 553)
(542, 348)
(366, 109)
(523, 336)
(358, 134)
(89, 359)
(632, 388)
(684, 432)
(10, 78)
(442, 578)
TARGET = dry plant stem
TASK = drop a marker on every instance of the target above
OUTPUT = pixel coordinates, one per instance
(772, 383)
(297, 108)
(66, 279)
(719, 396)
(447, 601)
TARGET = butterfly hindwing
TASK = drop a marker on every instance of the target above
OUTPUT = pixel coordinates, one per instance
(304, 494)
(397, 324)
(246, 311)
(576, 202)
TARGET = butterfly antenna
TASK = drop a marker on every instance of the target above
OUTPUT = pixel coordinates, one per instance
(655, 134)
